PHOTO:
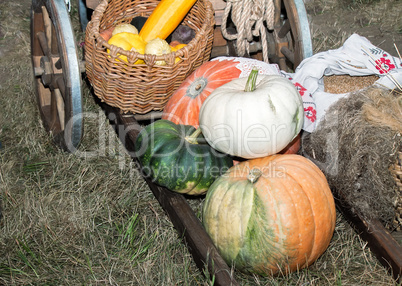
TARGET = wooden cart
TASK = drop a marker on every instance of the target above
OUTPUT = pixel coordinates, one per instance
(57, 76)
(58, 69)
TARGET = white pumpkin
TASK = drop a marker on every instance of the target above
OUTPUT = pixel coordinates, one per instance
(252, 117)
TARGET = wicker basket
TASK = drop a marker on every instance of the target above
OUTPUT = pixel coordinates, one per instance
(141, 88)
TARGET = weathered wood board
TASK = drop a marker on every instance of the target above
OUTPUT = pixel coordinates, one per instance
(387, 250)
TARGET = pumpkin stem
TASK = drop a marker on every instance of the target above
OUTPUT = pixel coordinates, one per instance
(252, 79)
(192, 138)
(254, 175)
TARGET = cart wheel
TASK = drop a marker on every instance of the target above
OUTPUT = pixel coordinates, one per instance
(291, 36)
(57, 76)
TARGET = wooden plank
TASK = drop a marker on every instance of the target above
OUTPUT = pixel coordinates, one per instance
(218, 17)
(219, 40)
(218, 4)
(219, 7)
(187, 224)
(382, 244)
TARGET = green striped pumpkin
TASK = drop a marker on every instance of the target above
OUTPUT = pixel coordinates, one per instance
(178, 157)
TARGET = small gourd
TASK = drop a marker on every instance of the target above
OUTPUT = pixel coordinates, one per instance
(158, 47)
(124, 27)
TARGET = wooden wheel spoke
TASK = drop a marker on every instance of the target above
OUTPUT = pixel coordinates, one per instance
(290, 40)
(47, 25)
(53, 120)
(288, 54)
(277, 14)
(285, 29)
(58, 97)
(61, 86)
(43, 43)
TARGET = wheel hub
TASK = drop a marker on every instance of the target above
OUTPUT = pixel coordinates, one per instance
(45, 71)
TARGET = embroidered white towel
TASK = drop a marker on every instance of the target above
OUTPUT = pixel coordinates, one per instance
(357, 57)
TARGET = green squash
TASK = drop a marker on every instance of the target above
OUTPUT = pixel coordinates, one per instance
(178, 157)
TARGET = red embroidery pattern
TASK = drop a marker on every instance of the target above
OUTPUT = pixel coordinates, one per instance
(311, 113)
(300, 88)
(384, 65)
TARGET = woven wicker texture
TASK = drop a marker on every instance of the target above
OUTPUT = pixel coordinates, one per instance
(141, 88)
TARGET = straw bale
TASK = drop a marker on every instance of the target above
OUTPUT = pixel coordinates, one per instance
(356, 144)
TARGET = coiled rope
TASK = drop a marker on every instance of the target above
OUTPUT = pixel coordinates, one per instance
(249, 16)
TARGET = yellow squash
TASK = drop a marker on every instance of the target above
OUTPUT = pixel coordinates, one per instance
(176, 48)
(165, 18)
(129, 42)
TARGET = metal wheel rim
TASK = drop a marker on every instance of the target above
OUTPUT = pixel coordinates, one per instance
(306, 48)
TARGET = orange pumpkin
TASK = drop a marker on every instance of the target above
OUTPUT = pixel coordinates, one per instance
(270, 215)
(184, 105)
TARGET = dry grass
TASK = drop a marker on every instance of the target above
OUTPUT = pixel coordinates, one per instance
(91, 220)
(333, 21)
